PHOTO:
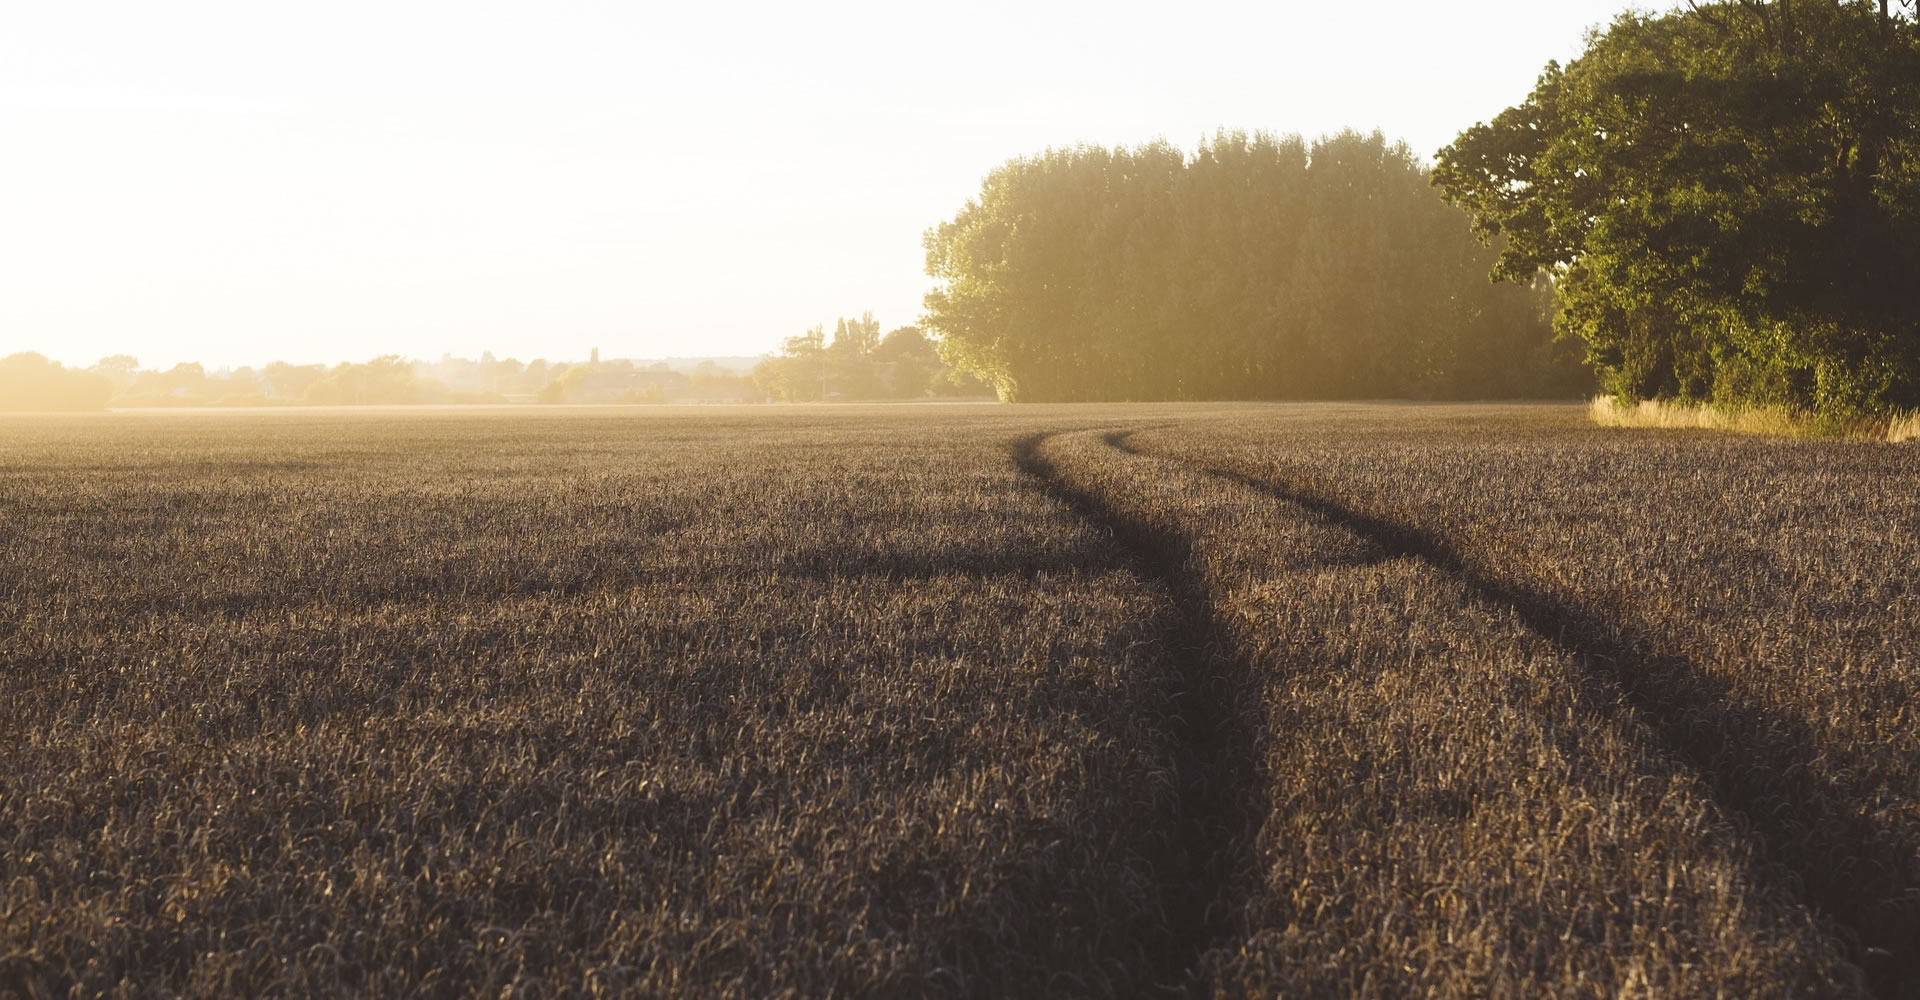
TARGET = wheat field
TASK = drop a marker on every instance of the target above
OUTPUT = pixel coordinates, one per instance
(1233, 701)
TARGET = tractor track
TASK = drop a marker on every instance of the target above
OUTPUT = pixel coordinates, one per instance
(1216, 742)
(1668, 692)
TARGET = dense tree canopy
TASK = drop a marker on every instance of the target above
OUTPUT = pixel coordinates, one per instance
(1257, 267)
(1728, 198)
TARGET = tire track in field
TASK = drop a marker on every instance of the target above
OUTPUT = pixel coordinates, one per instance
(1210, 857)
(1882, 940)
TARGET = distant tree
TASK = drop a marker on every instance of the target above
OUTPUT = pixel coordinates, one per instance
(710, 383)
(388, 379)
(798, 374)
(857, 363)
(186, 380)
(241, 387)
(909, 363)
(856, 337)
(185, 384)
(852, 370)
(118, 369)
(291, 382)
(30, 381)
(904, 342)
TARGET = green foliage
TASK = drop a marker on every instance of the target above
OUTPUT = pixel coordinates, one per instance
(1258, 267)
(1729, 200)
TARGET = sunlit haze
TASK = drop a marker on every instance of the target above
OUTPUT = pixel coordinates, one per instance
(234, 183)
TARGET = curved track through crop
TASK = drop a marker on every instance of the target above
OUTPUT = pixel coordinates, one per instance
(1667, 690)
(1222, 786)
(1215, 753)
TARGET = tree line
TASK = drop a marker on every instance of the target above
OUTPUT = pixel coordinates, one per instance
(1727, 197)
(30, 381)
(855, 363)
(1256, 267)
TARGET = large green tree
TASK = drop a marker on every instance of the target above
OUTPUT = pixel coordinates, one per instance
(1727, 197)
(1256, 267)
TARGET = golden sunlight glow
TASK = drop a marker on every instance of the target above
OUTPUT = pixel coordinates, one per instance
(237, 183)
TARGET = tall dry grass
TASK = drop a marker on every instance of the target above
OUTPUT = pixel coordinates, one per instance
(1905, 428)
(1771, 421)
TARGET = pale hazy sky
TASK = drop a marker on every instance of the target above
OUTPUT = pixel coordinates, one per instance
(243, 181)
